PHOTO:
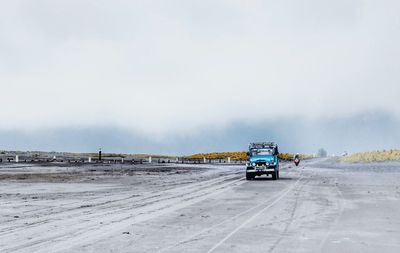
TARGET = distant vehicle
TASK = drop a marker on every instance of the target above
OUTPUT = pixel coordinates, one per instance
(263, 159)
(296, 160)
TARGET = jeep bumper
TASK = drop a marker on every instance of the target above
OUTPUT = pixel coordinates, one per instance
(261, 169)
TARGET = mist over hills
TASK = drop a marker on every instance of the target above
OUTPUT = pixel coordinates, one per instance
(367, 131)
(198, 76)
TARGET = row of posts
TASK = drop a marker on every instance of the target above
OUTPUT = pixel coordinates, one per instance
(122, 159)
(177, 160)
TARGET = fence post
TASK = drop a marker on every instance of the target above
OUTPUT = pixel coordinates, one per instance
(16, 158)
(149, 159)
(89, 159)
(229, 160)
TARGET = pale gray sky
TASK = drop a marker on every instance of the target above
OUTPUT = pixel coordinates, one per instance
(162, 68)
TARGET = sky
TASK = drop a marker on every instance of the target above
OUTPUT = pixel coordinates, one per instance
(179, 77)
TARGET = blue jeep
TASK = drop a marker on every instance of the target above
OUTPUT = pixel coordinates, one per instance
(263, 159)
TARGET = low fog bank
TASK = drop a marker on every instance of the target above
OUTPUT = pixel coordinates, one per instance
(368, 131)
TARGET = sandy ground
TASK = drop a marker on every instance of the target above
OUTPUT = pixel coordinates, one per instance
(320, 206)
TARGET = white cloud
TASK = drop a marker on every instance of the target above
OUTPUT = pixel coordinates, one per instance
(169, 66)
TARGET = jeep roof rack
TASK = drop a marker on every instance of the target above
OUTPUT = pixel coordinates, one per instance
(262, 145)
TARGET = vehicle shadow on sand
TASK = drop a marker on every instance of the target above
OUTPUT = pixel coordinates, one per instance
(270, 178)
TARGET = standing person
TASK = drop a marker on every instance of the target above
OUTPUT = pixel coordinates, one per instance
(297, 159)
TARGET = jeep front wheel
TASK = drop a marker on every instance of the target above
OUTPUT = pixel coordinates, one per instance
(275, 175)
(249, 176)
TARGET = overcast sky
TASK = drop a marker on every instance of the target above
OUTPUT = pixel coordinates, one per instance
(159, 69)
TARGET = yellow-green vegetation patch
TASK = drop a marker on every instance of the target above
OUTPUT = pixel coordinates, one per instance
(239, 156)
(373, 156)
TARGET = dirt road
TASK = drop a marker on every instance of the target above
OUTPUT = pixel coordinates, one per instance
(320, 206)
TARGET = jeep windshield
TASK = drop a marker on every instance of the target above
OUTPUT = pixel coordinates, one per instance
(259, 152)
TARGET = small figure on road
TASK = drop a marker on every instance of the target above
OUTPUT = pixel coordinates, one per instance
(297, 159)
